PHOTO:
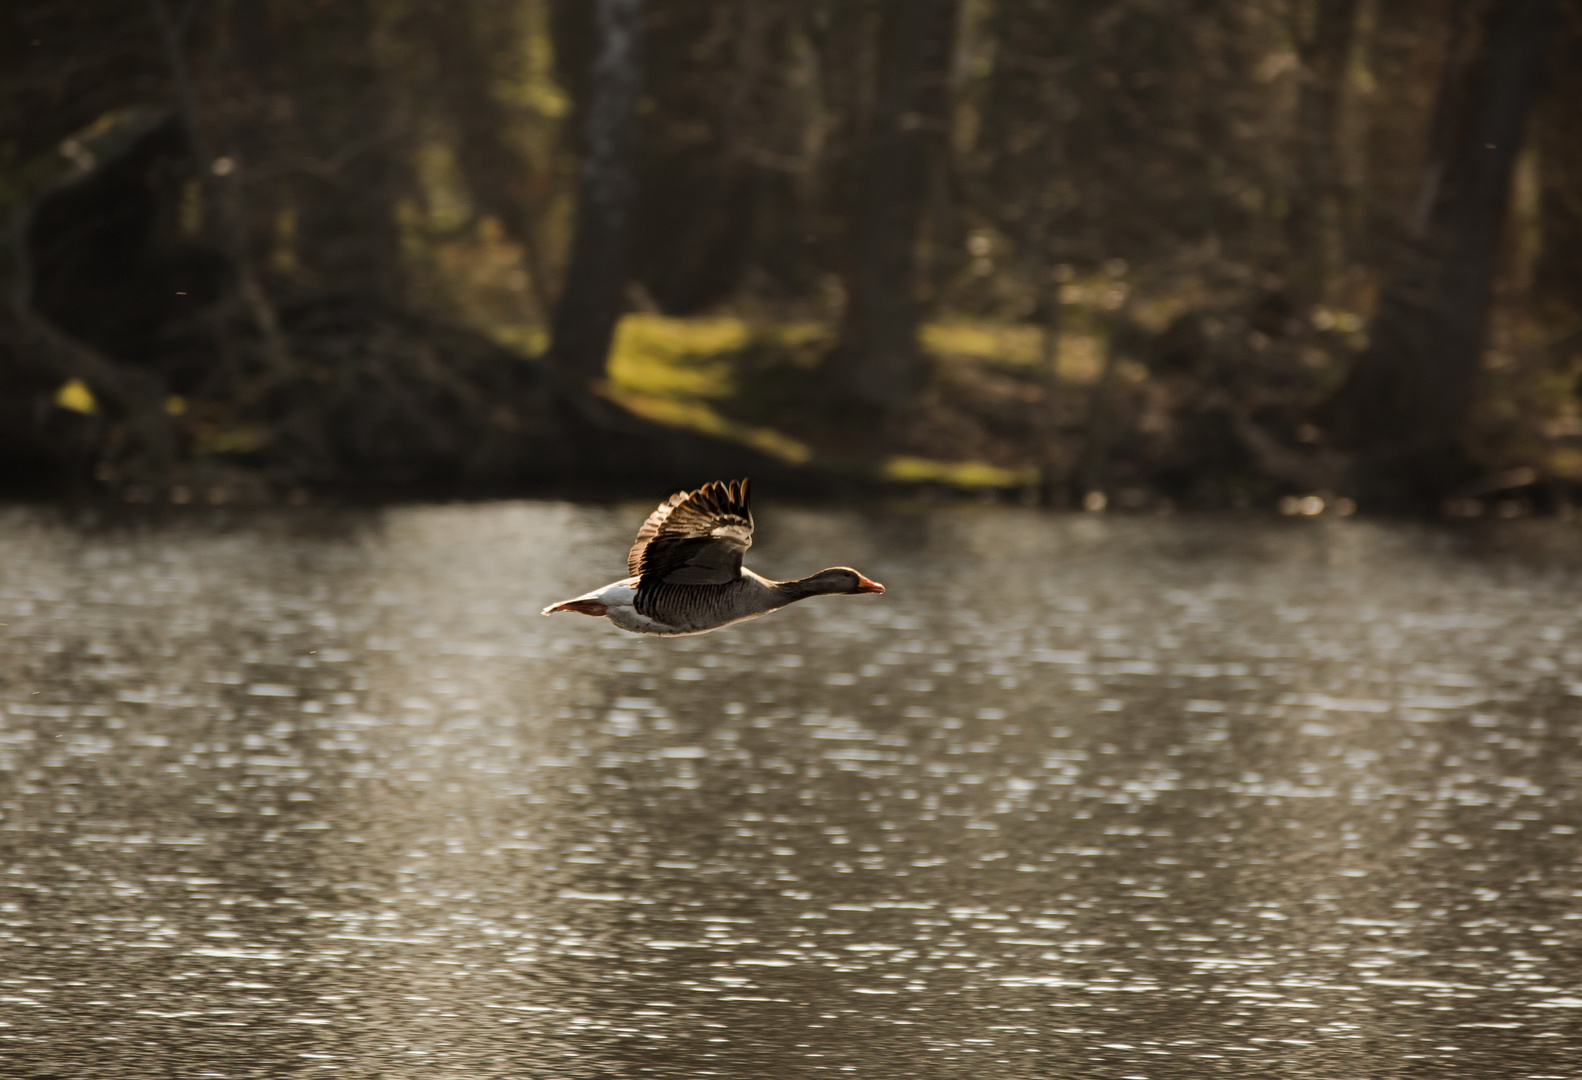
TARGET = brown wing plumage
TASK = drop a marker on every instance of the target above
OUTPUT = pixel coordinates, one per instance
(694, 538)
(650, 529)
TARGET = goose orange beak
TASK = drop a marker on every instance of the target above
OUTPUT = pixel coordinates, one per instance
(868, 585)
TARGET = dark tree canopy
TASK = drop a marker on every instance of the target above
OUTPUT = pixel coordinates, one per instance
(1240, 248)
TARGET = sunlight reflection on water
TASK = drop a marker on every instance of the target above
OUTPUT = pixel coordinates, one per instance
(1077, 796)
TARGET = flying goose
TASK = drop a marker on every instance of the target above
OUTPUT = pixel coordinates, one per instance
(687, 572)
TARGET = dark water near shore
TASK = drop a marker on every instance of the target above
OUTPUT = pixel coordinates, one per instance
(1079, 797)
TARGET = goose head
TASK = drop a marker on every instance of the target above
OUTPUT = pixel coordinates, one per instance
(837, 580)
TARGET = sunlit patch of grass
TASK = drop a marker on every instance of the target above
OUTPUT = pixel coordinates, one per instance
(681, 371)
(1017, 345)
(1081, 357)
(745, 381)
(748, 382)
(696, 358)
(677, 358)
(1005, 343)
(962, 474)
(523, 337)
(698, 416)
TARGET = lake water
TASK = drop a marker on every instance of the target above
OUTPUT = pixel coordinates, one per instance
(1097, 797)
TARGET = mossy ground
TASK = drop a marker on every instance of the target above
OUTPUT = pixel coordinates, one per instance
(982, 422)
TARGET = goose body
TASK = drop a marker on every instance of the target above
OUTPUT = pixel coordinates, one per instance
(687, 575)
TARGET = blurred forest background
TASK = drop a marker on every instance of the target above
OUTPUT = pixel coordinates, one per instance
(1312, 254)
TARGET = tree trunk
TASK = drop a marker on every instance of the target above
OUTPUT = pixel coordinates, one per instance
(1313, 227)
(878, 357)
(229, 229)
(498, 175)
(1557, 281)
(1052, 484)
(1404, 411)
(590, 303)
(339, 143)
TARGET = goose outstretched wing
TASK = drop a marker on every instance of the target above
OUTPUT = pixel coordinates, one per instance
(694, 538)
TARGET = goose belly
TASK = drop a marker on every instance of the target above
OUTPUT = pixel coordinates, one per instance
(631, 619)
(620, 601)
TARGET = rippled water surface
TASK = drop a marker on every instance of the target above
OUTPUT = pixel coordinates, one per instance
(1079, 797)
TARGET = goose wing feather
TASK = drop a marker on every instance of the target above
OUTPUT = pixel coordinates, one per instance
(695, 537)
